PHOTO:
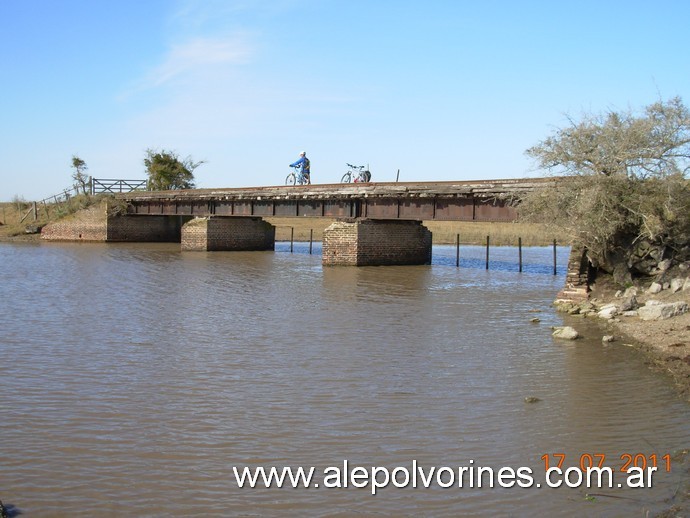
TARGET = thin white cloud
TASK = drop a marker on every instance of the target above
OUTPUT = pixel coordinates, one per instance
(196, 56)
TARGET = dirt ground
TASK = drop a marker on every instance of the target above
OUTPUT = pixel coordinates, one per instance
(21, 238)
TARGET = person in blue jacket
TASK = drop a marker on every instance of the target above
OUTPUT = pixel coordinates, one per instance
(303, 162)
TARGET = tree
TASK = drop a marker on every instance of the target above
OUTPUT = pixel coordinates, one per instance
(625, 195)
(81, 180)
(166, 171)
(655, 144)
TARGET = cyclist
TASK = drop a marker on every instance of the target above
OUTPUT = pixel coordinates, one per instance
(303, 162)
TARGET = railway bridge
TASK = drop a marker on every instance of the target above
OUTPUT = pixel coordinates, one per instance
(376, 223)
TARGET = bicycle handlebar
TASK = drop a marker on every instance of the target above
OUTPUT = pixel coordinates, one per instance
(360, 167)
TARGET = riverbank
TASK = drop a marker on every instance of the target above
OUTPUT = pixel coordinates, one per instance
(664, 341)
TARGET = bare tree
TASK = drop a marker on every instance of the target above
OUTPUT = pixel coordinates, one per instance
(626, 196)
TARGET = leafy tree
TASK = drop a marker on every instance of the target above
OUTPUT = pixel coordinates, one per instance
(625, 195)
(81, 180)
(167, 171)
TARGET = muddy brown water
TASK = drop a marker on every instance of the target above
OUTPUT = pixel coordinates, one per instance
(136, 377)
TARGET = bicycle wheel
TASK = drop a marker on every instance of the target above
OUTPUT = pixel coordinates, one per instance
(347, 178)
(291, 179)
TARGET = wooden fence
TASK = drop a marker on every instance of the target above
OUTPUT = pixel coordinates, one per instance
(110, 186)
(96, 186)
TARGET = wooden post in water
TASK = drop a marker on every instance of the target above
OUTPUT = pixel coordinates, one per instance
(520, 253)
(457, 250)
(487, 252)
(554, 257)
(311, 236)
(292, 238)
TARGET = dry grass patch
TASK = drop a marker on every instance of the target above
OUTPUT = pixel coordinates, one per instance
(17, 216)
(444, 232)
(500, 233)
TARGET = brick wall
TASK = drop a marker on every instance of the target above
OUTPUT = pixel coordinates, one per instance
(165, 229)
(340, 243)
(376, 242)
(577, 277)
(87, 225)
(228, 233)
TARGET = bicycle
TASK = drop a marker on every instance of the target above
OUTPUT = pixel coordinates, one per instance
(356, 172)
(296, 177)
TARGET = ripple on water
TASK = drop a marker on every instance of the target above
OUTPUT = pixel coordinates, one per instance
(141, 375)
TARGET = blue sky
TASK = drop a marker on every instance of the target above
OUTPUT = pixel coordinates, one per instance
(440, 90)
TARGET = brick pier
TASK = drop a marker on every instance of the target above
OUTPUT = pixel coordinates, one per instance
(577, 278)
(366, 242)
(229, 233)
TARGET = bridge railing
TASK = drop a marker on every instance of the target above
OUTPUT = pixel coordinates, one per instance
(112, 186)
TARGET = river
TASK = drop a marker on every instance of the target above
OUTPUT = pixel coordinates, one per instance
(137, 379)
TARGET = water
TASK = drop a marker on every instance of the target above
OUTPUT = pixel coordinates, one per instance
(135, 377)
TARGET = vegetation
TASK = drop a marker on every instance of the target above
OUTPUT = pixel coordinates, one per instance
(81, 179)
(167, 171)
(625, 195)
(19, 202)
(16, 218)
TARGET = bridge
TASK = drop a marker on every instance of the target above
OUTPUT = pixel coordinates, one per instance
(448, 201)
(377, 223)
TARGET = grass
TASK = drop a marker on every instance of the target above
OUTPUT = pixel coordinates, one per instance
(501, 233)
(444, 232)
(11, 214)
(16, 216)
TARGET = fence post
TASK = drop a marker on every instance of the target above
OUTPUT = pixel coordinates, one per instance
(457, 250)
(292, 237)
(554, 257)
(487, 252)
(311, 235)
(35, 211)
(520, 253)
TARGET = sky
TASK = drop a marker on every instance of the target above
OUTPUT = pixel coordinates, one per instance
(437, 90)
